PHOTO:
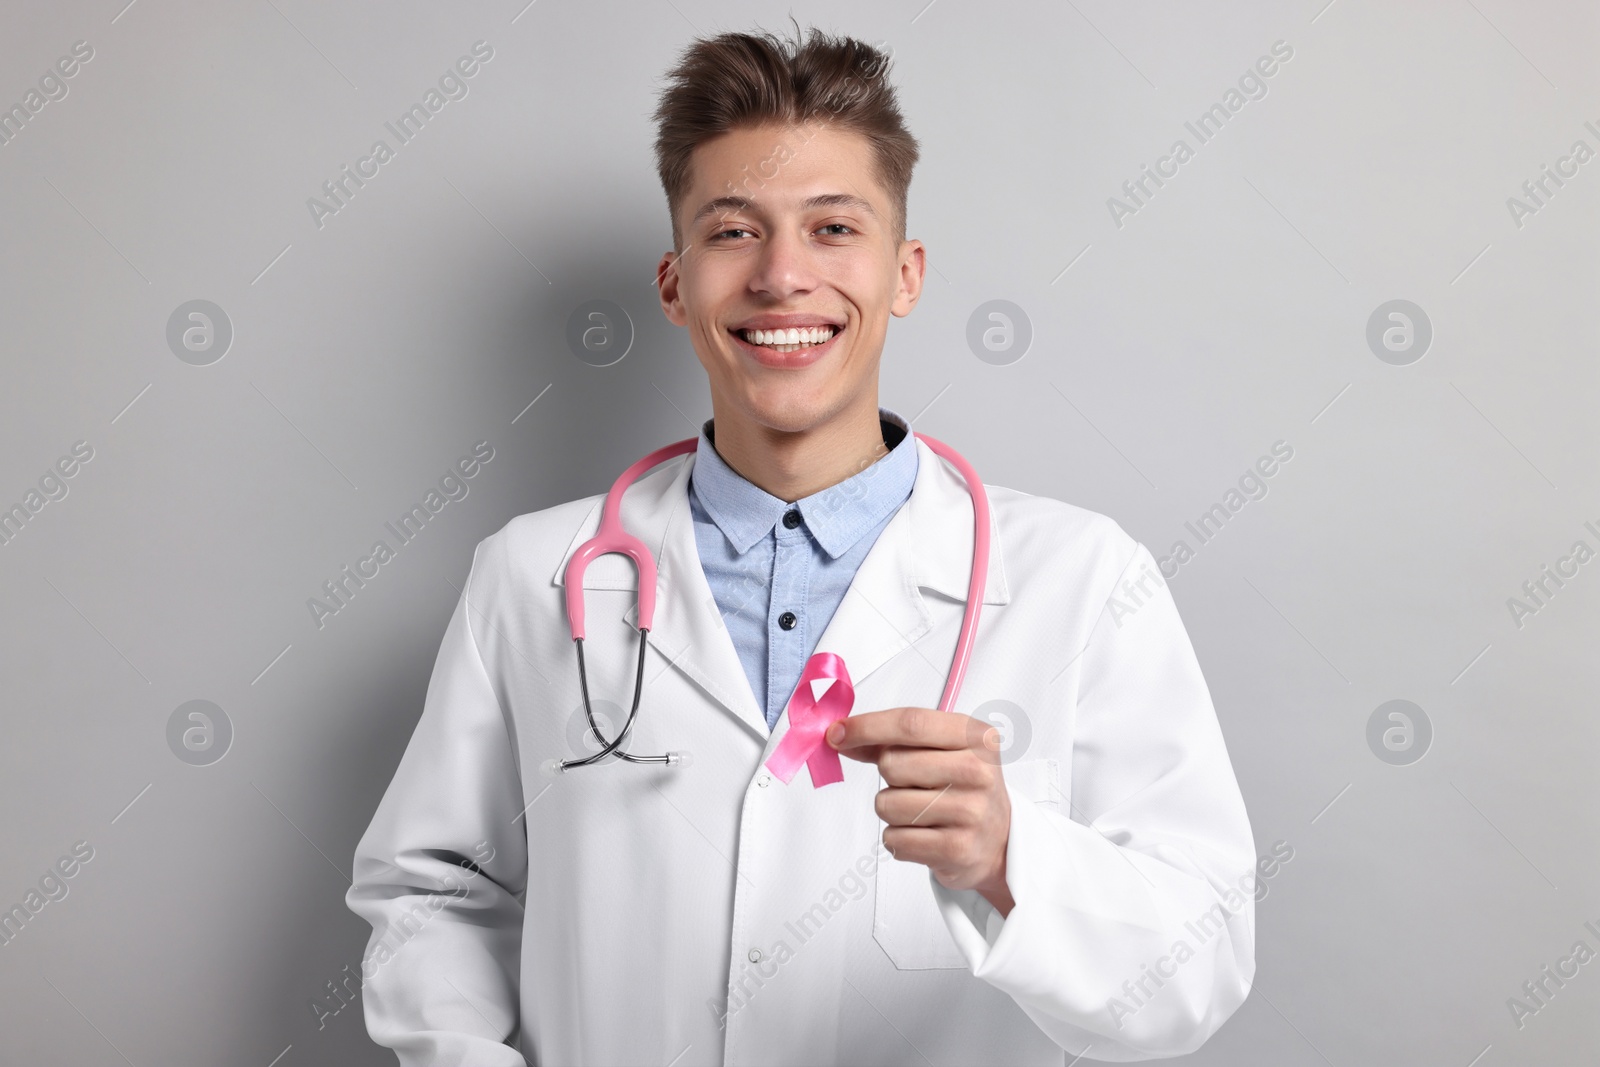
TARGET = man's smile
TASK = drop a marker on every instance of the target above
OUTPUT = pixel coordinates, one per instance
(777, 344)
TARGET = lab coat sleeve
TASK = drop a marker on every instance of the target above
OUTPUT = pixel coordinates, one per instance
(1133, 931)
(439, 870)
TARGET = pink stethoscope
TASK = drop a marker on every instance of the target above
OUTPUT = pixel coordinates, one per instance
(611, 537)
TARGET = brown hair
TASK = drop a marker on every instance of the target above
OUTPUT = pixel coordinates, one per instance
(740, 80)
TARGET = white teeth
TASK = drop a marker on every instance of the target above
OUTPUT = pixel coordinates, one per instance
(810, 335)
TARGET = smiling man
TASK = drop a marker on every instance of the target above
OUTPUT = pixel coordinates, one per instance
(1080, 883)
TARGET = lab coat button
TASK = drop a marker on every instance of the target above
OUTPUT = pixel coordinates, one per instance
(787, 620)
(764, 781)
(755, 955)
(791, 519)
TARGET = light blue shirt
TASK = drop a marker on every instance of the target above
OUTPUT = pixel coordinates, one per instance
(778, 570)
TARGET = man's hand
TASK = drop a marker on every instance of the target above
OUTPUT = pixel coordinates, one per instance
(946, 804)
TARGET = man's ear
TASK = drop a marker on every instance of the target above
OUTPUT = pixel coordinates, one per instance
(667, 285)
(913, 264)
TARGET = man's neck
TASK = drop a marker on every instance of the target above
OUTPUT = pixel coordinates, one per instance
(792, 466)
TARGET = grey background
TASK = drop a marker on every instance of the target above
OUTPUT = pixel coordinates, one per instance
(1168, 354)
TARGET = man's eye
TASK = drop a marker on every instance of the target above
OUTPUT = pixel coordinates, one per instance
(725, 233)
(838, 226)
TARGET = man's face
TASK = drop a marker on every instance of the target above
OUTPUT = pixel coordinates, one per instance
(788, 228)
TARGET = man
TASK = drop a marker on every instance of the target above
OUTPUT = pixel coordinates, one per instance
(1079, 883)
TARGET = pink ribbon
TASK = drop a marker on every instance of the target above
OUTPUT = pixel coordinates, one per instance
(809, 719)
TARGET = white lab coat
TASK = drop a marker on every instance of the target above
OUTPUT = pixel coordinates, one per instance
(710, 914)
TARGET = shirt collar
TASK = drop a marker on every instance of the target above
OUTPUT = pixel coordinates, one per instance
(837, 517)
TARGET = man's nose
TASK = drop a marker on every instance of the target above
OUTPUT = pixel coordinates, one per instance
(786, 265)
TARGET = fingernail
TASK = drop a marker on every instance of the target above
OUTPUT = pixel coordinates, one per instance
(835, 734)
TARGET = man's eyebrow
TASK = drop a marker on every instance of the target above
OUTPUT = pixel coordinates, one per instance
(849, 200)
(740, 203)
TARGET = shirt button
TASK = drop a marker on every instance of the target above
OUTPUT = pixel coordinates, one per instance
(764, 781)
(787, 620)
(791, 518)
(755, 955)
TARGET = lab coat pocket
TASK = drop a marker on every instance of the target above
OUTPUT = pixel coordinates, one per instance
(906, 922)
(1038, 780)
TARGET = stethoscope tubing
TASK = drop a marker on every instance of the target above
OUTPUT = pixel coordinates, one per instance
(612, 538)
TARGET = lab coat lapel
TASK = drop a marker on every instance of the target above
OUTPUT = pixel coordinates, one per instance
(688, 632)
(927, 545)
